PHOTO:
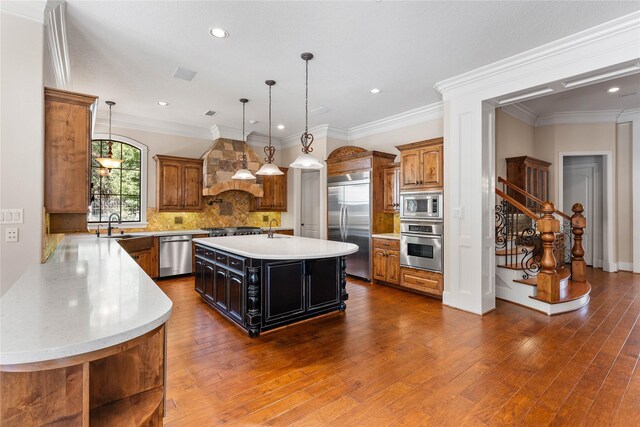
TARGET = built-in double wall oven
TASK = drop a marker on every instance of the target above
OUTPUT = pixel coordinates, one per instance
(421, 230)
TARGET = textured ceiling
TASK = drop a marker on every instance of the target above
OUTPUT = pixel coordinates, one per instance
(591, 98)
(127, 52)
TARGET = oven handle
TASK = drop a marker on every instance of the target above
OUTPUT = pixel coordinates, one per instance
(429, 236)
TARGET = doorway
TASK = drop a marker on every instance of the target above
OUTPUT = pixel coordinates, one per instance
(310, 196)
(583, 183)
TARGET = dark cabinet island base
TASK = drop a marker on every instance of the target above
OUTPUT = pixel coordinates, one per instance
(260, 295)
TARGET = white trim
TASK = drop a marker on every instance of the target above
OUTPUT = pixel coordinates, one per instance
(219, 131)
(521, 112)
(578, 117)
(144, 173)
(415, 116)
(31, 10)
(56, 36)
(153, 125)
(608, 220)
(635, 188)
(625, 266)
(458, 84)
(629, 115)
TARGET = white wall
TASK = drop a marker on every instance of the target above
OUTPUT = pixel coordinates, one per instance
(625, 196)
(513, 138)
(21, 141)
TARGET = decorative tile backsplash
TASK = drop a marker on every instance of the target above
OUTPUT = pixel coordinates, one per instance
(396, 223)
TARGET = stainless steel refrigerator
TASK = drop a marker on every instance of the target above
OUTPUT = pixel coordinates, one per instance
(349, 218)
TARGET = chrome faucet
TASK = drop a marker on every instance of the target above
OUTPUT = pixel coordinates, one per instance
(109, 225)
(270, 232)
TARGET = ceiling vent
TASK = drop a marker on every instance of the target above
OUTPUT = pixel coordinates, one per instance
(210, 113)
(184, 74)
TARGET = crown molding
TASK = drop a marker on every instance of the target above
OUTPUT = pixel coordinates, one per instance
(629, 116)
(522, 113)
(219, 131)
(31, 10)
(415, 116)
(319, 132)
(152, 125)
(461, 83)
(261, 140)
(56, 33)
(578, 117)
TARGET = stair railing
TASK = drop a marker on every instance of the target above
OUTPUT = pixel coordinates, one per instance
(563, 244)
(578, 224)
(517, 236)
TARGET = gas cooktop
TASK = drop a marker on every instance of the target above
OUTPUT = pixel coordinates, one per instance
(233, 231)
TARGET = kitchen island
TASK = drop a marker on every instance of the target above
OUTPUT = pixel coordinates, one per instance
(262, 283)
(83, 340)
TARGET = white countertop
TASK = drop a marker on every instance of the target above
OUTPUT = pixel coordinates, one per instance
(155, 233)
(392, 236)
(90, 295)
(281, 247)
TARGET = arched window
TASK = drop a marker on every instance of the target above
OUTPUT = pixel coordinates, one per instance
(123, 190)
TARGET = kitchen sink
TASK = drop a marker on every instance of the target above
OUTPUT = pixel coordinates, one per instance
(116, 236)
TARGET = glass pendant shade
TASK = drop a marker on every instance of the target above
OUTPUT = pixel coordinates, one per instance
(104, 172)
(243, 174)
(269, 169)
(109, 162)
(306, 161)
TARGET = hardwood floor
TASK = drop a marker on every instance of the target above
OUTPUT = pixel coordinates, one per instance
(395, 358)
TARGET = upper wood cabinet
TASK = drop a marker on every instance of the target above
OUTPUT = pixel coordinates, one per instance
(275, 193)
(67, 152)
(421, 165)
(392, 188)
(178, 183)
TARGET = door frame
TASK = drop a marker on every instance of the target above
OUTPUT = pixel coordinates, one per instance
(608, 213)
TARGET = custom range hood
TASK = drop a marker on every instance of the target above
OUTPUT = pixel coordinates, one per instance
(222, 161)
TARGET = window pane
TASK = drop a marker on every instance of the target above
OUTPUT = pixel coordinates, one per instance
(110, 204)
(131, 182)
(95, 152)
(130, 209)
(111, 183)
(131, 157)
(94, 210)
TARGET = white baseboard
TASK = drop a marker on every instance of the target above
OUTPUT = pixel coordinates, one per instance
(626, 266)
(610, 267)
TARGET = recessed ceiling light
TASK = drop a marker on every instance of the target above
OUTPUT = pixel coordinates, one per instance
(219, 33)
(375, 90)
(280, 127)
(163, 103)
(613, 89)
(253, 122)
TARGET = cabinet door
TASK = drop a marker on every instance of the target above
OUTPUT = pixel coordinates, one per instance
(199, 278)
(389, 189)
(236, 297)
(393, 267)
(170, 188)
(66, 157)
(144, 261)
(208, 280)
(410, 169)
(275, 193)
(220, 288)
(431, 160)
(192, 186)
(283, 279)
(379, 264)
(323, 289)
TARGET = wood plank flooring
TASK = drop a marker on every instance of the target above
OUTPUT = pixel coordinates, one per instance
(395, 358)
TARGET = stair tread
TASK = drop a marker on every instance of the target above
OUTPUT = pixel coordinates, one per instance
(573, 291)
(531, 281)
(514, 251)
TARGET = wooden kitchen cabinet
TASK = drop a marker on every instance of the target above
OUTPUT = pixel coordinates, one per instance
(275, 193)
(386, 260)
(144, 251)
(423, 281)
(67, 158)
(421, 165)
(178, 184)
(530, 174)
(391, 188)
(195, 251)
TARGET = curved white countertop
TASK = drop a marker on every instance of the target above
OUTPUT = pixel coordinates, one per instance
(280, 247)
(90, 295)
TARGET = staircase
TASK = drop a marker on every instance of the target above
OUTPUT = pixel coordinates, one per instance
(539, 253)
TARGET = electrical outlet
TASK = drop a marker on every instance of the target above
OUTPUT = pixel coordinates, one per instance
(265, 218)
(177, 220)
(11, 235)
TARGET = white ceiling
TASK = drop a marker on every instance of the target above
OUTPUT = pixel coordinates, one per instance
(591, 98)
(127, 52)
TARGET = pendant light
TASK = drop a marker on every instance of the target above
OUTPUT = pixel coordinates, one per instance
(306, 160)
(109, 162)
(269, 168)
(243, 173)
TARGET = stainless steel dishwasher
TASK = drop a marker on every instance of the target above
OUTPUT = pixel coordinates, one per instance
(175, 255)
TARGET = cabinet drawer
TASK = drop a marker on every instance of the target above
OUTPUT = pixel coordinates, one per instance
(386, 243)
(421, 280)
(200, 250)
(221, 258)
(236, 264)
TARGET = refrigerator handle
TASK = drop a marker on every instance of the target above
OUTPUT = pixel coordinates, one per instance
(343, 222)
(346, 223)
(340, 222)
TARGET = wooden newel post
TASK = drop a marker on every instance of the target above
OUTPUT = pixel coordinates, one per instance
(578, 224)
(548, 226)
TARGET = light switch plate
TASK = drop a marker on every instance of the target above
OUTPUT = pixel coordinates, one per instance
(11, 216)
(11, 235)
